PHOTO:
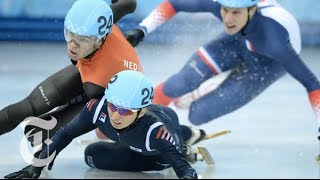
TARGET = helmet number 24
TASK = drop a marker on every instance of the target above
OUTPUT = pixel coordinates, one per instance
(148, 96)
(105, 24)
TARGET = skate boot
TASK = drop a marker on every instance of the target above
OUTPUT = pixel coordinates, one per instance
(197, 136)
(199, 154)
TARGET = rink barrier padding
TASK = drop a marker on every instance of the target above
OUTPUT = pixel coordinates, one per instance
(51, 30)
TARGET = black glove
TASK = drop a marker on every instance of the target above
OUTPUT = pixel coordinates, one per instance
(193, 176)
(27, 172)
(134, 36)
(189, 173)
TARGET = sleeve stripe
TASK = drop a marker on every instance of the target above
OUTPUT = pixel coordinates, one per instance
(159, 133)
(152, 127)
(164, 134)
(91, 103)
(208, 60)
(96, 113)
(168, 136)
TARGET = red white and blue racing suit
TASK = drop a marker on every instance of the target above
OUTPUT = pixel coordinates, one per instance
(264, 51)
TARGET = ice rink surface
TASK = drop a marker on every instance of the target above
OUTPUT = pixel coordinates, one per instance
(274, 136)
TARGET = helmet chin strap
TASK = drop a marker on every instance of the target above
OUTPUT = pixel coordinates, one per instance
(96, 49)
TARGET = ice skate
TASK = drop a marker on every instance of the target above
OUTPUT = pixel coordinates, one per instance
(197, 136)
(200, 154)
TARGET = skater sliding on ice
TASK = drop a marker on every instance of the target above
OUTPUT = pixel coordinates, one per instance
(146, 137)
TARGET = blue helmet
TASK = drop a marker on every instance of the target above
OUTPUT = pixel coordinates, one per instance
(237, 3)
(89, 18)
(130, 89)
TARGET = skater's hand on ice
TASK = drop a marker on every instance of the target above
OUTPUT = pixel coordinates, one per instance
(189, 173)
(27, 172)
(189, 177)
(134, 36)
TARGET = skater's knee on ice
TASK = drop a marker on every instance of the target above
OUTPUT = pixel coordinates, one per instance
(89, 161)
(97, 148)
(91, 154)
(88, 156)
(97, 155)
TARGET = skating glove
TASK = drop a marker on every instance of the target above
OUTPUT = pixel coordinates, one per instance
(190, 173)
(27, 172)
(314, 97)
(134, 36)
(189, 177)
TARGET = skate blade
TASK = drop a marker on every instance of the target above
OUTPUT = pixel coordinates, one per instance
(214, 135)
(206, 156)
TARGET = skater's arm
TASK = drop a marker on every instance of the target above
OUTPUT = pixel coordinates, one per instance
(165, 11)
(121, 8)
(169, 8)
(81, 124)
(93, 90)
(162, 141)
(283, 50)
(78, 126)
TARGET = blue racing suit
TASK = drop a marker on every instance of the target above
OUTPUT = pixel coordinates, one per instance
(152, 142)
